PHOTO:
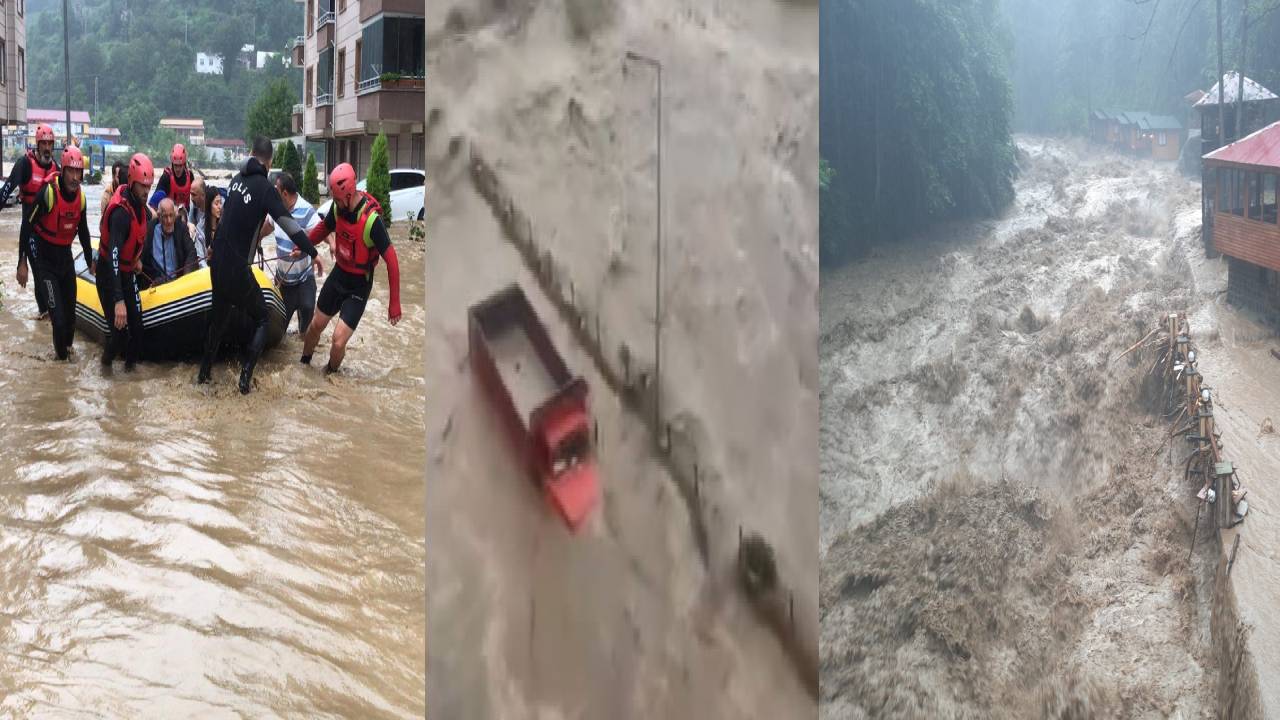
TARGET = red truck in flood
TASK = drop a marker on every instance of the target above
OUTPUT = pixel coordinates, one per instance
(543, 405)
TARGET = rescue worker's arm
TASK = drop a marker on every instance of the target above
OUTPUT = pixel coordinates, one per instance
(118, 231)
(41, 207)
(18, 177)
(321, 231)
(90, 260)
(162, 191)
(284, 218)
(382, 241)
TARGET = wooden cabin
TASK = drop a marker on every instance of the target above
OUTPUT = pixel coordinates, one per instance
(1244, 223)
(1161, 137)
(1130, 136)
(1104, 127)
(1261, 108)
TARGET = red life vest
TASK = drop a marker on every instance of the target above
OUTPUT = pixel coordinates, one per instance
(131, 253)
(180, 194)
(60, 225)
(39, 176)
(353, 247)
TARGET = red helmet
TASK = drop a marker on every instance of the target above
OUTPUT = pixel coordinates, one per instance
(342, 183)
(140, 170)
(179, 155)
(43, 133)
(71, 158)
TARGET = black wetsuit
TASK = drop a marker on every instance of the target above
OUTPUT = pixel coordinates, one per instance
(115, 286)
(55, 268)
(250, 199)
(19, 176)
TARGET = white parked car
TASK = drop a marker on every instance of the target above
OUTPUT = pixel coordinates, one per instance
(408, 192)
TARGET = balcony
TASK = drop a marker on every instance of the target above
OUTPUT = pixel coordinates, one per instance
(296, 50)
(296, 119)
(324, 29)
(370, 8)
(323, 119)
(392, 97)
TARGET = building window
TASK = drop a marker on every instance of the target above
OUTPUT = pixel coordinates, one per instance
(22, 69)
(4, 64)
(22, 6)
(309, 86)
(395, 45)
(1253, 195)
(358, 77)
(1269, 198)
(324, 75)
(1237, 192)
(1163, 139)
(342, 6)
(311, 17)
(342, 72)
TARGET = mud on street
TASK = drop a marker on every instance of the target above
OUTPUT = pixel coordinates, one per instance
(1002, 529)
(188, 551)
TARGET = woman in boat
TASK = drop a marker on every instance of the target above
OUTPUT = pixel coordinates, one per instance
(212, 216)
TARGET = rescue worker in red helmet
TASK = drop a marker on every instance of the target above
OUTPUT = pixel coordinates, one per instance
(58, 216)
(29, 174)
(359, 239)
(175, 181)
(122, 237)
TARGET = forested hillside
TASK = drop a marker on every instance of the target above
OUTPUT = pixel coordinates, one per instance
(143, 55)
(915, 117)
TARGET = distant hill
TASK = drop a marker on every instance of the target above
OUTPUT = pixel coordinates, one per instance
(144, 57)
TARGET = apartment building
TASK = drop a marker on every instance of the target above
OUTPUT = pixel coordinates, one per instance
(13, 63)
(364, 66)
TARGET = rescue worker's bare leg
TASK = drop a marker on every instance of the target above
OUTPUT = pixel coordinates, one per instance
(338, 347)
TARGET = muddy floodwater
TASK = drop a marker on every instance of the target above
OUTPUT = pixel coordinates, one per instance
(168, 550)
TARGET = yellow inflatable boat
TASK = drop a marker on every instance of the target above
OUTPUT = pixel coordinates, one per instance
(175, 314)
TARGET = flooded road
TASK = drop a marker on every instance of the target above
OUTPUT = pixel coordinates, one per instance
(171, 550)
(621, 620)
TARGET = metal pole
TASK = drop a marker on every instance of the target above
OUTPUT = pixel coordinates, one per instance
(66, 67)
(657, 286)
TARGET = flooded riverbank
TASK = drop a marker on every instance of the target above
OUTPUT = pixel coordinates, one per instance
(996, 496)
(174, 550)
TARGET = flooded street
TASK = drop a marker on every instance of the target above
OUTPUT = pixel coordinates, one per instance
(171, 550)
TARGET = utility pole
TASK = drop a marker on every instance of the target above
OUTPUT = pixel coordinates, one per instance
(66, 67)
(657, 285)
(1244, 37)
(1222, 82)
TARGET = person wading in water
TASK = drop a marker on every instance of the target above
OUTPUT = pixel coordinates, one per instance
(29, 175)
(58, 216)
(250, 199)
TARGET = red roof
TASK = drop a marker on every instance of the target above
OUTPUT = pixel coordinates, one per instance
(1260, 148)
(39, 115)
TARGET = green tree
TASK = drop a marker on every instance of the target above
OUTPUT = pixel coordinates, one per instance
(916, 138)
(278, 158)
(310, 183)
(290, 162)
(269, 114)
(378, 182)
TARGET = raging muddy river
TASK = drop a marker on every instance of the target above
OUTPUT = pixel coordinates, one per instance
(168, 550)
(1003, 533)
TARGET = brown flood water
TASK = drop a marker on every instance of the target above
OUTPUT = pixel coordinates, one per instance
(174, 551)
